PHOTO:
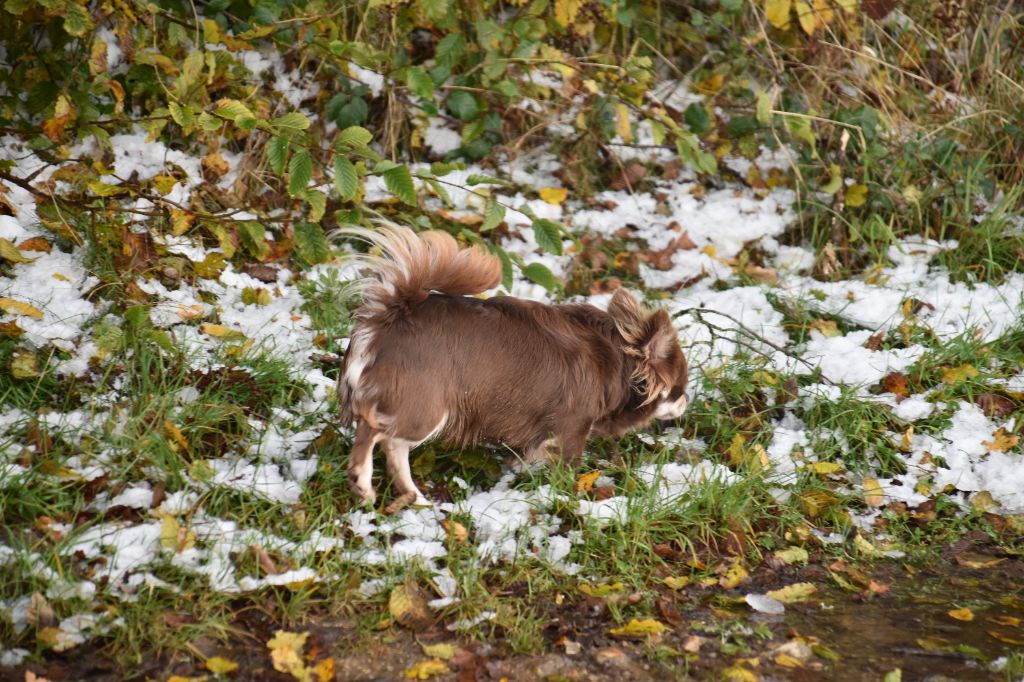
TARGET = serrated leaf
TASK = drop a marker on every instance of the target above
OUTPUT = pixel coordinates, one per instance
(13, 307)
(293, 120)
(399, 182)
(639, 629)
(300, 172)
(795, 593)
(346, 181)
(539, 273)
(493, 215)
(317, 204)
(548, 235)
(10, 252)
(76, 19)
(356, 136)
(419, 82)
(311, 243)
(277, 153)
(481, 179)
(507, 273)
(182, 115)
(232, 110)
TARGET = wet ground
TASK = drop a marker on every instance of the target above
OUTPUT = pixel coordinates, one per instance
(858, 626)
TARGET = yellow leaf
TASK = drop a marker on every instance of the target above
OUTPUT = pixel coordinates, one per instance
(1002, 440)
(286, 653)
(455, 530)
(805, 15)
(1008, 621)
(179, 678)
(324, 670)
(964, 614)
(553, 195)
(220, 331)
(792, 555)
(566, 11)
(602, 590)
(787, 661)
(220, 666)
(953, 375)
(676, 583)
(873, 494)
(824, 468)
(181, 221)
(777, 12)
(739, 674)
(622, 124)
(12, 307)
(1005, 638)
(735, 575)
(793, 594)
(863, 546)
(424, 670)
(169, 528)
(441, 650)
(823, 11)
(24, 366)
(586, 481)
(408, 605)
(10, 252)
(164, 184)
(638, 629)
(856, 195)
(175, 435)
(827, 328)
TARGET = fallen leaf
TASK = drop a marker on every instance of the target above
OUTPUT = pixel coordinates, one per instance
(893, 676)
(969, 560)
(286, 653)
(455, 530)
(739, 674)
(827, 328)
(553, 195)
(864, 546)
(586, 481)
(1002, 440)
(792, 555)
(954, 375)
(220, 666)
(964, 614)
(873, 494)
(983, 501)
(175, 435)
(639, 629)
(12, 307)
(24, 365)
(630, 175)
(408, 606)
(676, 583)
(793, 594)
(325, 670)
(896, 383)
(735, 575)
(765, 604)
(602, 590)
(219, 331)
(825, 468)
(1007, 621)
(1005, 638)
(10, 252)
(424, 670)
(992, 404)
(441, 650)
(787, 661)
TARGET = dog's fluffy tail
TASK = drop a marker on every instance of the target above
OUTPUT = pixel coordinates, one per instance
(412, 265)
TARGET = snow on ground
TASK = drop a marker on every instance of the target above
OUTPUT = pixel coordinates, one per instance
(508, 521)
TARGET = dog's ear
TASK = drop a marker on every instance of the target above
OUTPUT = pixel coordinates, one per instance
(659, 344)
(630, 319)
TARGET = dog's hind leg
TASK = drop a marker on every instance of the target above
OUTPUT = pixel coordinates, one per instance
(398, 466)
(360, 462)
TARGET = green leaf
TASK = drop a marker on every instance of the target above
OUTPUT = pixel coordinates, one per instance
(355, 136)
(300, 172)
(493, 216)
(399, 183)
(764, 107)
(317, 204)
(480, 179)
(835, 179)
(311, 244)
(76, 19)
(697, 118)
(463, 105)
(209, 123)
(506, 266)
(293, 120)
(346, 180)
(451, 46)
(232, 110)
(548, 235)
(539, 273)
(254, 238)
(419, 82)
(439, 190)
(277, 153)
(182, 115)
(440, 168)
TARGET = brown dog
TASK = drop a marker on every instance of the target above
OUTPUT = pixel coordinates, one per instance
(427, 362)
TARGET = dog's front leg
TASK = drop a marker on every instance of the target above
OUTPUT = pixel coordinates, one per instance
(397, 451)
(360, 463)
